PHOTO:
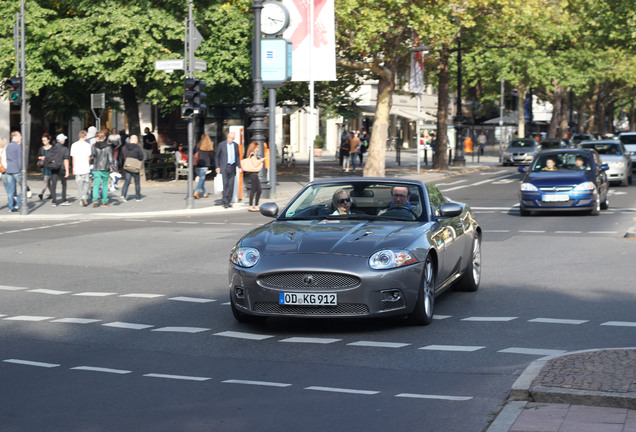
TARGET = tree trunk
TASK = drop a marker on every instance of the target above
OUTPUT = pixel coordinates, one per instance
(521, 118)
(375, 165)
(564, 125)
(129, 94)
(440, 154)
(557, 98)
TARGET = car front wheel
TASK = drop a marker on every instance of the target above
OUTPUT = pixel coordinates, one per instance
(597, 206)
(425, 304)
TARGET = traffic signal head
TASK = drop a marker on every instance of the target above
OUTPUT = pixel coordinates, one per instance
(14, 87)
(192, 96)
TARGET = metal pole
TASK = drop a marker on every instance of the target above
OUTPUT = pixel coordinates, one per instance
(189, 58)
(272, 141)
(312, 132)
(501, 114)
(257, 111)
(459, 119)
(23, 108)
(417, 140)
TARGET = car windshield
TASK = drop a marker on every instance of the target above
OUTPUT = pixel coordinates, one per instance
(551, 144)
(604, 148)
(523, 143)
(571, 161)
(357, 200)
(628, 139)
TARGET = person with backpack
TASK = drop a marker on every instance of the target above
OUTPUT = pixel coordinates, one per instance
(57, 161)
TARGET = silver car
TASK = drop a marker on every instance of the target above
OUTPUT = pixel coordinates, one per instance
(613, 153)
(629, 141)
(521, 151)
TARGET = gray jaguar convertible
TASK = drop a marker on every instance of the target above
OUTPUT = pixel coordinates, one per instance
(356, 247)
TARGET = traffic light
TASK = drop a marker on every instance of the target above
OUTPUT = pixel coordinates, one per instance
(192, 96)
(14, 87)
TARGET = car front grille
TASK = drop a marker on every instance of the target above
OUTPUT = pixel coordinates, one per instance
(556, 189)
(345, 309)
(309, 280)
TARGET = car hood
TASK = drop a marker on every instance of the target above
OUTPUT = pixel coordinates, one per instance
(347, 237)
(559, 178)
(612, 158)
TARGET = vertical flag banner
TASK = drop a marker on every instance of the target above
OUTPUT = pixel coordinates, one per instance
(416, 81)
(317, 63)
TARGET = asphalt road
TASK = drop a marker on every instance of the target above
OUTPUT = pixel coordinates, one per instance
(124, 325)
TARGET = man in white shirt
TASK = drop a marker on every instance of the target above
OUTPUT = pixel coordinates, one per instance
(81, 154)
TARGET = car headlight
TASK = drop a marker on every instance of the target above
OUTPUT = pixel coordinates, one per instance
(585, 187)
(388, 259)
(528, 187)
(245, 256)
(617, 164)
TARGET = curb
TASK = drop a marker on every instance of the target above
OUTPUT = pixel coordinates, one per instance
(522, 389)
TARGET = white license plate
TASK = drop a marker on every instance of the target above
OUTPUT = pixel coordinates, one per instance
(556, 198)
(308, 299)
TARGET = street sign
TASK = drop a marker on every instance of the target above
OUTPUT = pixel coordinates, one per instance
(196, 39)
(200, 65)
(98, 100)
(169, 65)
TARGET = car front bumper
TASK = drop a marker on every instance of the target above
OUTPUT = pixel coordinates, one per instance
(547, 201)
(361, 291)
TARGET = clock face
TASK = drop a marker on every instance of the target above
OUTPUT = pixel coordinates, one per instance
(274, 18)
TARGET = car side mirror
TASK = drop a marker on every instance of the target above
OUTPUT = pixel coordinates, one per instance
(448, 210)
(522, 170)
(604, 167)
(269, 209)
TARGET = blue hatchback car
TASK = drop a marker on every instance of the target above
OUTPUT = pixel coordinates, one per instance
(564, 180)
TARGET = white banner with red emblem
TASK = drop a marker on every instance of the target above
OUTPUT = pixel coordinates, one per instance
(317, 61)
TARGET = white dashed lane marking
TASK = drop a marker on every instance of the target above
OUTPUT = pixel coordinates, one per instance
(31, 363)
(101, 369)
(128, 326)
(177, 377)
(455, 348)
(531, 351)
(342, 390)
(241, 335)
(256, 383)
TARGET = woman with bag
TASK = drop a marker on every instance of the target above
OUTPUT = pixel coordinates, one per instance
(132, 151)
(46, 173)
(203, 161)
(252, 165)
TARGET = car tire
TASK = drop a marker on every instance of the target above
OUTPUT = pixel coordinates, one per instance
(472, 277)
(597, 206)
(626, 181)
(425, 304)
(523, 211)
(605, 203)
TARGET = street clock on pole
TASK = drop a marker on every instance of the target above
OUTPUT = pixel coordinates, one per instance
(274, 18)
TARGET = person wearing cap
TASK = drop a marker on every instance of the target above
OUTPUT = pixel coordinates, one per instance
(61, 173)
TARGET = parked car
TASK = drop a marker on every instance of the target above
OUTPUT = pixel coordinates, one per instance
(563, 180)
(520, 151)
(579, 137)
(553, 144)
(629, 141)
(380, 260)
(614, 154)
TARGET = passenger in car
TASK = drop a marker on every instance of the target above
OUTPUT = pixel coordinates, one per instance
(579, 163)
(341, 202)
(550, 165)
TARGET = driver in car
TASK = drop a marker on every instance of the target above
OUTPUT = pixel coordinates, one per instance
(400, 198)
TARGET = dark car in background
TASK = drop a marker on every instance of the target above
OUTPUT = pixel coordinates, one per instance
(579, 137)
(552, 144)
(379, 260)
(520, 151)
(564, 180)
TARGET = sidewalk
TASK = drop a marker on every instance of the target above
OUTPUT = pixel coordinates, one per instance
(168, 197)
(583, 391)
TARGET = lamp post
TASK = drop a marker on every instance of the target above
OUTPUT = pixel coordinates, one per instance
(257, 111)
(458, 121)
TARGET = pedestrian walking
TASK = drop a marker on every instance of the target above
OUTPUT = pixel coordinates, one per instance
(149, 141)
(81, 156)
(253, 166)
(481, 142)
(46, 173)
(226, 159)
(132, 150)
(203, 161)
(12, 163)
(57, 160)
(344, 154)
(103, 164)
(354, 149)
